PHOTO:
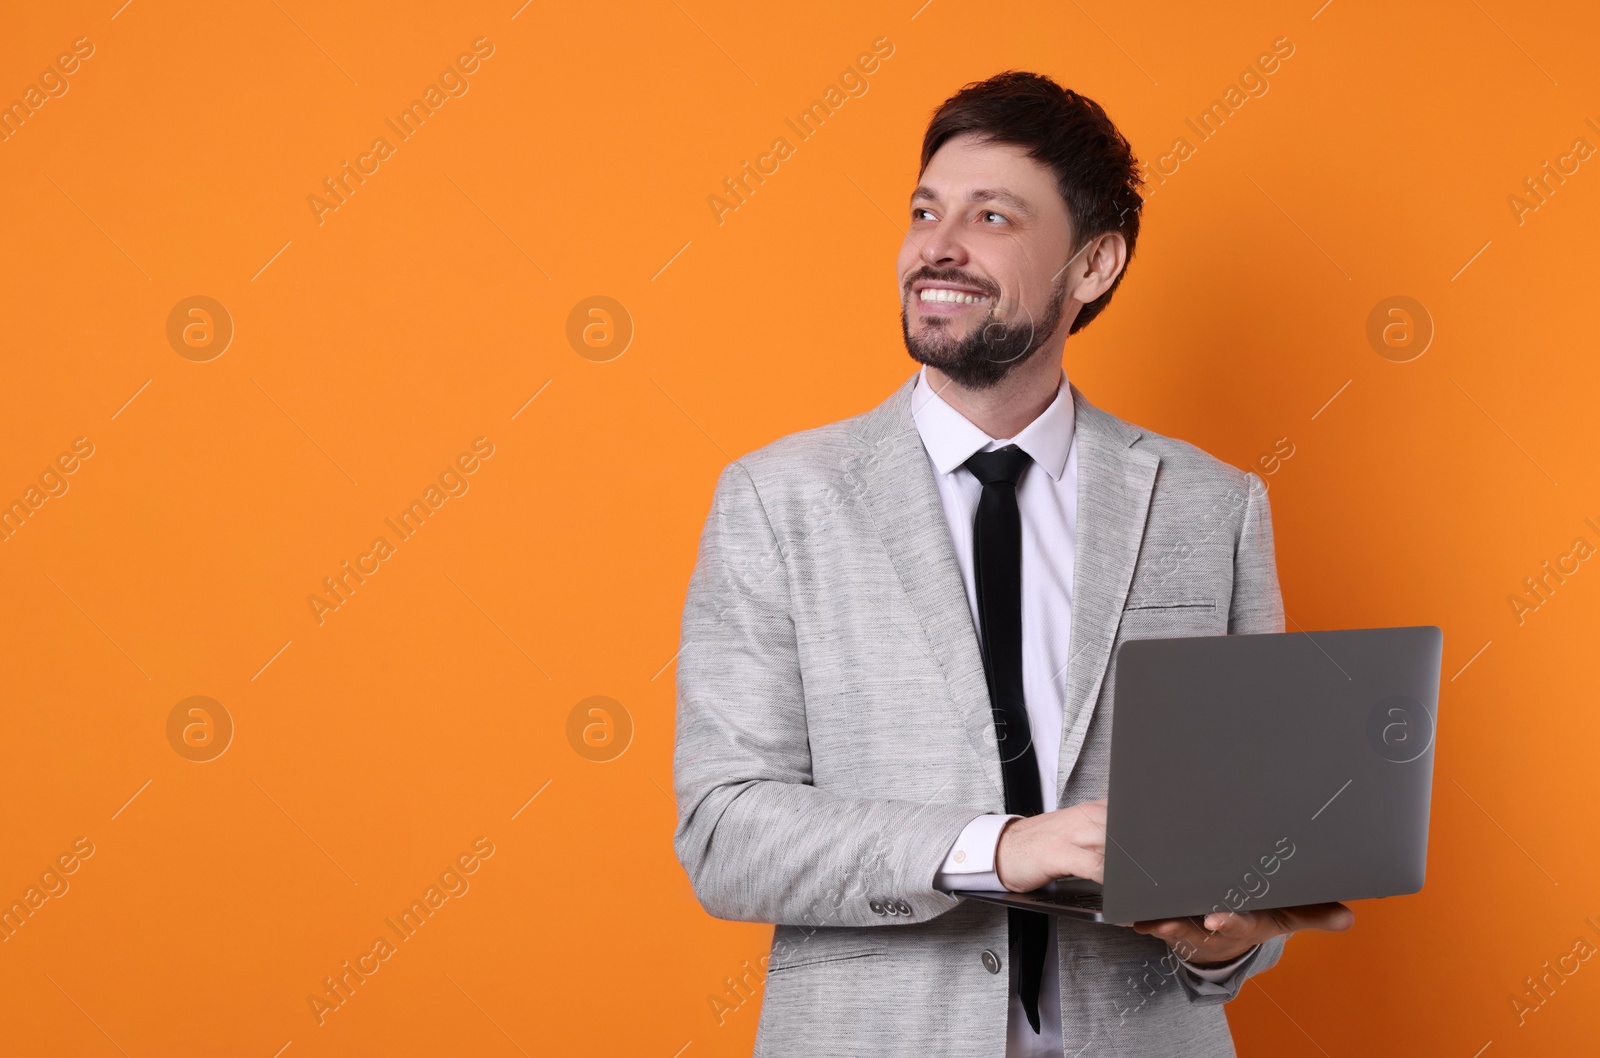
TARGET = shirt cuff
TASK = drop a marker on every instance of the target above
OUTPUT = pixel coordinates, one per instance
(970, 862)
(1209, 980)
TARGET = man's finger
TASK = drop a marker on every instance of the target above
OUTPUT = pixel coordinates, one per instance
(1229, 923)
(1150, 927)
(1175, 931)
(1332, 917)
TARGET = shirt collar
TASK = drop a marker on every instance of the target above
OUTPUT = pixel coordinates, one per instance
(951, 438)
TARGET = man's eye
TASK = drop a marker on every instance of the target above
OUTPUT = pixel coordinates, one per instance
(991, 213)
(915, 210)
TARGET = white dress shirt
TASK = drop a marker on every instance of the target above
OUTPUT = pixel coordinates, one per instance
(1047, 500)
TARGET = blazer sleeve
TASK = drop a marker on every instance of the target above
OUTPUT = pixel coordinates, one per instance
(1257, 607)
(1257, 604)
(759, 842)
(1263, 958)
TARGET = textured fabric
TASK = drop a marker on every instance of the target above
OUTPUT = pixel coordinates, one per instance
(834, 733)
(997, 568)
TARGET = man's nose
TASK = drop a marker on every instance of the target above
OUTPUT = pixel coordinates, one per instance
(943, 246)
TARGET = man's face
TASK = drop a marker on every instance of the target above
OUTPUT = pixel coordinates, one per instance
(982, 275)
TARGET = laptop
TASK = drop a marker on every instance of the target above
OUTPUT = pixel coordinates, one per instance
(1251, 772)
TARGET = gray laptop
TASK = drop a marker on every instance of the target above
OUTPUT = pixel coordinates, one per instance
(1257, 771)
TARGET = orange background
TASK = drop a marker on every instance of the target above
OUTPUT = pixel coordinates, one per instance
(372, 749)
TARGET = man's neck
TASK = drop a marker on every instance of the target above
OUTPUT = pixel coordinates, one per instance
(1011, 404)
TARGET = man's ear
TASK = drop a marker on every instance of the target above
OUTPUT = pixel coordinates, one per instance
(1098, 264)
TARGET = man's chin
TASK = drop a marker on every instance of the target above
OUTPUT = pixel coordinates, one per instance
(940, 358)
(936, 346)
(972, 368)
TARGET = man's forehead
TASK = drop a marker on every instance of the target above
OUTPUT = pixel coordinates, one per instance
(979, 170)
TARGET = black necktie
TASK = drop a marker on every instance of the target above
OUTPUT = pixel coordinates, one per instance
(997, 570)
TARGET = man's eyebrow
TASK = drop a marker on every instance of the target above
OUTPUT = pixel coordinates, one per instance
(982, 194)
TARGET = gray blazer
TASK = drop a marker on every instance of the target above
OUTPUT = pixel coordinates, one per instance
(834, 733)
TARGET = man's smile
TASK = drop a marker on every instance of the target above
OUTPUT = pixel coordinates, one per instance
(945, 299)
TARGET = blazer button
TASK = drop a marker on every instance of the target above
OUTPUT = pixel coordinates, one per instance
(991, 961)
(903, 907)
(877, 907)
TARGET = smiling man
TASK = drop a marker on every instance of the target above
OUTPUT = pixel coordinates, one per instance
(892, 681)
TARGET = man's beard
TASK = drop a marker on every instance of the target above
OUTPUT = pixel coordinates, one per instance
(990, 351)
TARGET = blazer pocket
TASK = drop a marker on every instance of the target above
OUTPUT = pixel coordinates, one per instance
(817, 958)
(1170, 605)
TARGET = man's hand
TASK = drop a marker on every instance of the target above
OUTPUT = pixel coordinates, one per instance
(1223, 936)
(1069, 842)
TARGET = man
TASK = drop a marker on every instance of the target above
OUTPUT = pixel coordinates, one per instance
(896, 639)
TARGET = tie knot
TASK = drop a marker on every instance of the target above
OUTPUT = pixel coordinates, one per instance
(1002, 465)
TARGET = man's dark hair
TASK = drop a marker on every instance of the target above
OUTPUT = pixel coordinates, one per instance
(1095, 168)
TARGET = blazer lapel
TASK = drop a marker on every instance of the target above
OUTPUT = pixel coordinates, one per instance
(892, 473)
(1114, 487)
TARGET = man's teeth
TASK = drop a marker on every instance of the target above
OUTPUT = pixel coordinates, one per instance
(938, 294)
